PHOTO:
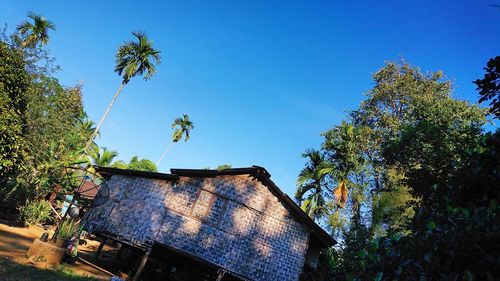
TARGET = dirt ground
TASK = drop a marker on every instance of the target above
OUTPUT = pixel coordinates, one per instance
(15, 241)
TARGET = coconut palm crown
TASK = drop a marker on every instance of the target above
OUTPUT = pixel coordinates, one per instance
(182, 127)
(33, 33)
(137, 58)
(311, 183)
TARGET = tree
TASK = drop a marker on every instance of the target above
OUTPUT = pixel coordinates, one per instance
(104, 158)
(489, 86)
(36, 32)
(133, 58)
(39, 131)
(141, 165)
(402, 98)
(14, 84)
(182, 128)
(223, 167)
(406, 147)
(312, 191)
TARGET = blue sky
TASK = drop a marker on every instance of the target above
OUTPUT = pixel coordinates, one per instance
(260, 79)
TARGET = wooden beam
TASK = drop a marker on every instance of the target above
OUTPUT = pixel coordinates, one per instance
(220, 274)
(98, 252)
(55, 212)
(94, 266)
(141, 265)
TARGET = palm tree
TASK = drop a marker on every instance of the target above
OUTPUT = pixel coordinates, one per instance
(133, 58)
(35, 32)
(104, 158)
(183, 127)
(311, 182)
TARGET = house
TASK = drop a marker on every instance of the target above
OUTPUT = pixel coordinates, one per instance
(234, 224)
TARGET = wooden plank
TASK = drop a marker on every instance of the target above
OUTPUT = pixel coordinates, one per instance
(141, 265)
(98, 252)
(95, 266)
(220, 274)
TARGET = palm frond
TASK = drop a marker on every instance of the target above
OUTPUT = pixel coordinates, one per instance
(137, 58)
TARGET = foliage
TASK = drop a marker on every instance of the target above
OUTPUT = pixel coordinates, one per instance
(404, 104)
(41, 121)
(312, 191)
(489, 86)
(33, 33)
(401, 157)
(182, 127)
(14, 83)
(35, 212)
(223, 167)
(137, 58)
(141, 165)
(103, 157)
(67, 229)
(454, 234)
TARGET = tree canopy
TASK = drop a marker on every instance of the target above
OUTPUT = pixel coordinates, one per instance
(401, 157)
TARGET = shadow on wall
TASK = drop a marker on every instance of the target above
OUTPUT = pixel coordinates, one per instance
(231, 221)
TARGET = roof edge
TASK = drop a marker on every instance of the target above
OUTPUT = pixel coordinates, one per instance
(107, 171)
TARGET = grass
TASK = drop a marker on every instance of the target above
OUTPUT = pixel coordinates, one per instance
(11, 271)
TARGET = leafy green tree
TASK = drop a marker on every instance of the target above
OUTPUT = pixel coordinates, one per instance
(132, 59)
(42, 118)
(35, 32)
(223, 167)
(489, 86)
(141, 165)
(14, 83)
(409, 134)
(345, 147)
(182, 128)
(402, 98)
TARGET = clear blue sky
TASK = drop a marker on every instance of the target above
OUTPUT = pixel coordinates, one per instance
(260, 79)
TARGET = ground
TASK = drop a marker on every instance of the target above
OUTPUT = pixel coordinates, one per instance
(15, 241)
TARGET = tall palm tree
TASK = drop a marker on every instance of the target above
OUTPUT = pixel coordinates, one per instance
(34, 32)
(133, 58)
(183, 127)
(311, 183)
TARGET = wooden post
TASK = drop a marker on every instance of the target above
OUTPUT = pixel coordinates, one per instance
(220, 274)
(98, 252)
(141, 265)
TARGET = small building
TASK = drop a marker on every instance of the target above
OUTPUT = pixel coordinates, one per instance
(233, 224)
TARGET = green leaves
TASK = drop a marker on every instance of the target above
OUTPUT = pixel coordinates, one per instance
(489, 86)
(137, 58)
(311, 191)
(183, 127)
(36, 32)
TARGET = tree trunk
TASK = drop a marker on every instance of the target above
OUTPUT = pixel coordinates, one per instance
(94, 134)
(164, 153)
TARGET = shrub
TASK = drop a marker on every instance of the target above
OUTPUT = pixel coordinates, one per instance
(67, 229)
(35, 212)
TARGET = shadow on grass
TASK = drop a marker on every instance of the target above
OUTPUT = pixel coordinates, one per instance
(11, 271)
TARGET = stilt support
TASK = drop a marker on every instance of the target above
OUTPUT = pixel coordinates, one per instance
(141, 265)
(99, 250)
(220, 274)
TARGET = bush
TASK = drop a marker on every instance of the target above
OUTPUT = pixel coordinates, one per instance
(67, 229)
(35, 212)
